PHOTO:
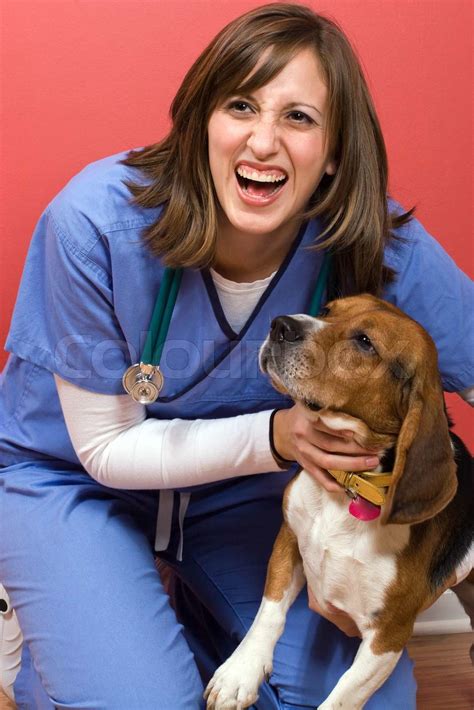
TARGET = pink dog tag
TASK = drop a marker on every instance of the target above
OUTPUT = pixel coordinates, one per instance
(363, 509)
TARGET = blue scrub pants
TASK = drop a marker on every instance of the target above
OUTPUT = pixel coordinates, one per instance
(100, 634)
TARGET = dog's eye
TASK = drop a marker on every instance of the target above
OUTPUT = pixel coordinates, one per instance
(363, 342)
(324, 312)
(314, 406)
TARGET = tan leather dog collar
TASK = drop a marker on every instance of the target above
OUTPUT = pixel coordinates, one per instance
(367, 484)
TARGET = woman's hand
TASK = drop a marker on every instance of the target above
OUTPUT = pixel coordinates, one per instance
(300, 436)
(339, 618)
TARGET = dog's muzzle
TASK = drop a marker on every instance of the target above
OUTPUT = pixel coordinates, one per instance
(287, 334)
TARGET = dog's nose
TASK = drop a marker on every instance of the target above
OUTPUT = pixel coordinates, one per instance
(285, 328)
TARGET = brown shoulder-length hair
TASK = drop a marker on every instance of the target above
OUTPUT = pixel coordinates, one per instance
(352, 204)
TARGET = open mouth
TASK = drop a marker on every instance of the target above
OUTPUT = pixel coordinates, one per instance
(260, 185)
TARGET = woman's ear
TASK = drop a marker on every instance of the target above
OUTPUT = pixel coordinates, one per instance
(424, 474)
(331, 167)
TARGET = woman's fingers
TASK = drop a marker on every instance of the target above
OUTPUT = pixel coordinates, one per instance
(326, 459)
(309, 427)
(298, 437)
(339, 445)
(317, 463)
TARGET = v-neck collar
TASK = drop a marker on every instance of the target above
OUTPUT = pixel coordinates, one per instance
(217, 306)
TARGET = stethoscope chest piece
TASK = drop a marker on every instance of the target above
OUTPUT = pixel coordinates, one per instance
(143, 383)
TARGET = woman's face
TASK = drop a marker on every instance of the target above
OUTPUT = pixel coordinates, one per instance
(267, 152)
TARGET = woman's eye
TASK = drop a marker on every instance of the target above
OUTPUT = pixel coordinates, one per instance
(363, 342)
(239, 106)
(300, 117)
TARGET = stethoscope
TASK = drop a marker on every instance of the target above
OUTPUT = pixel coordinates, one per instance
(144, 380)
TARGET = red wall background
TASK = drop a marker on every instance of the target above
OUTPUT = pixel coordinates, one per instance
(81, 79)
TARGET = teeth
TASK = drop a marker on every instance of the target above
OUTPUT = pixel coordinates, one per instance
(258, 177)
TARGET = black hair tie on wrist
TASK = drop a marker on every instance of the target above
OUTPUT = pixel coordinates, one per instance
(284, 464)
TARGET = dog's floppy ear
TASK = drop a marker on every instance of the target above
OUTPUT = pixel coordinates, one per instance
(424, 474)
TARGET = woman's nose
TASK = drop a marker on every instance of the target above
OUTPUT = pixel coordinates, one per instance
(264, 139)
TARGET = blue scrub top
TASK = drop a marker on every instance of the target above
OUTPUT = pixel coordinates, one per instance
(88, 290)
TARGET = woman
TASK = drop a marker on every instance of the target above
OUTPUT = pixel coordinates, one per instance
(275, 147)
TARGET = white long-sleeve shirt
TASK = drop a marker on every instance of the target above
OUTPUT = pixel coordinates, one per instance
(120, 448)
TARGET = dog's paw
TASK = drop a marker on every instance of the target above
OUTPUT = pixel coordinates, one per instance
(234, 686)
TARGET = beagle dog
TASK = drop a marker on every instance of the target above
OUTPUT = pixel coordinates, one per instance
(390, 543)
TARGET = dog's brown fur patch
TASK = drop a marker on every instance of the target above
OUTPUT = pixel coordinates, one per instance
(285, 557)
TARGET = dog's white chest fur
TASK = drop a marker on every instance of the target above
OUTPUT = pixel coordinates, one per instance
(348, 563)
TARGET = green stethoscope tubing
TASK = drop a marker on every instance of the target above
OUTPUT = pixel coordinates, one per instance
(321, 283)
(137, 376)
(161, 317)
